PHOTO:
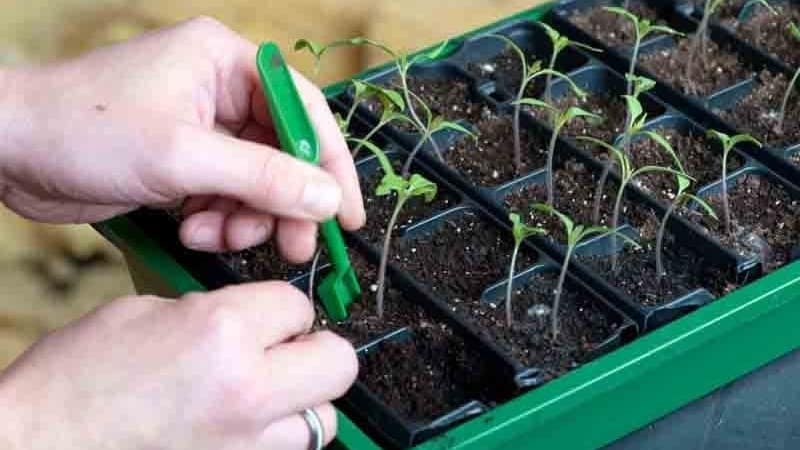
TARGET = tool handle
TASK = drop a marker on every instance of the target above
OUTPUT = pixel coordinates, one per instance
(334, 241)
(292, 124)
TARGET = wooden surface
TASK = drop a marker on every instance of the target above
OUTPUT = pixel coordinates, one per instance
(51, 275)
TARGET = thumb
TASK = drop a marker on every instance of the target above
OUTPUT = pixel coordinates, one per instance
(204, 162)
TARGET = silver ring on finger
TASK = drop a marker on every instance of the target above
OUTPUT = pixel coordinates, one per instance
(315, 427)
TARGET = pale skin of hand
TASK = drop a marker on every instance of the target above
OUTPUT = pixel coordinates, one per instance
(174, 117)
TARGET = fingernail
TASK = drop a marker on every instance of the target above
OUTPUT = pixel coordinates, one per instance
(202, 238)
(321, 198)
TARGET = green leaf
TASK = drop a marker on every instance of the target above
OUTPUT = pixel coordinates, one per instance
(392, 116)
(640, 84)
(521, 231)
(440, 124)
(535, 103)
(635, 109)
(794, 31)
(383, 160)
(391, 183)
(616, 153)
(708, 209)
(665, 30)
(749, 5)
(658, 169)
(306, 44)
(437, 52)
(574, 87)
(741, 138)
(583, 46)
(359, 90)
(513, 45)
(573, 112)
(389, 98)
(551, 32)
(624, 13)
(683, 184)
(569, 225)
(666, 146)
(419, 186)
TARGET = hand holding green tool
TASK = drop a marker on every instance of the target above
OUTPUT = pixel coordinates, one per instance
(297, 137)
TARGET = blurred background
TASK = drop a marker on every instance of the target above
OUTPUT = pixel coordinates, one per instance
(51, 275)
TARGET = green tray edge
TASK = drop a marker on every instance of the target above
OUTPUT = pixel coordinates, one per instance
(601, 401)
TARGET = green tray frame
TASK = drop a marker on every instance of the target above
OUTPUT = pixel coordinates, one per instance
(597, 403)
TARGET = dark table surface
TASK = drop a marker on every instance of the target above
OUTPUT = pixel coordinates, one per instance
(758, 412)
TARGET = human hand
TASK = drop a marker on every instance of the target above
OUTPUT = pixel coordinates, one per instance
(217, 371)
(174, 115)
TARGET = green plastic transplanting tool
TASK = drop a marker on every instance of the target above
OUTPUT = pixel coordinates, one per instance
(297, 137)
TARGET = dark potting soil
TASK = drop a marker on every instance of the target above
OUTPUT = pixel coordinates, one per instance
(726, 10)
(461, 258)
(423, 377)
(428, 375)
(611, 29)
(717, 69)
(758, 113)
(263, 262)
(583, 325)
(765, 220)
(489, 160)
(505, 69)
(363, 325)
(574, 189)
(606, 105)
(380, 209)
(637, 276)
(701, 158)
(769, 32)
(449, 98)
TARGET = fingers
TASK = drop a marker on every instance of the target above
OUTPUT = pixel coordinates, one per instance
(293, 433)
(308, 371)
(273, 311)
(217, 225)
(297, 240)
(335, 155)
(202, 162)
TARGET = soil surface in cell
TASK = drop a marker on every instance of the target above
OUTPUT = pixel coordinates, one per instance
(574, 192)
(450, 98)
(423, 377)
(769, 32)
(380, 208)
(700, 157)
(609, 106)
(765, 220)
(712, 71)
(364, 325)
(609, 28)
(759, 113)
(637, 275)
(489, 160)
(726, 10)
(505, 69)
(582, 322)
(428, 375)
(263, 262)
(461, 258)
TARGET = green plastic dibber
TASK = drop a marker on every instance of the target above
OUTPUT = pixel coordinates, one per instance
(339, 289)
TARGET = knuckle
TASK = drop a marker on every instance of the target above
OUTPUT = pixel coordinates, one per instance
(223, 322)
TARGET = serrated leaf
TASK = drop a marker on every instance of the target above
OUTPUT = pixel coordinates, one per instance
(419, 186)
(391, 183)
